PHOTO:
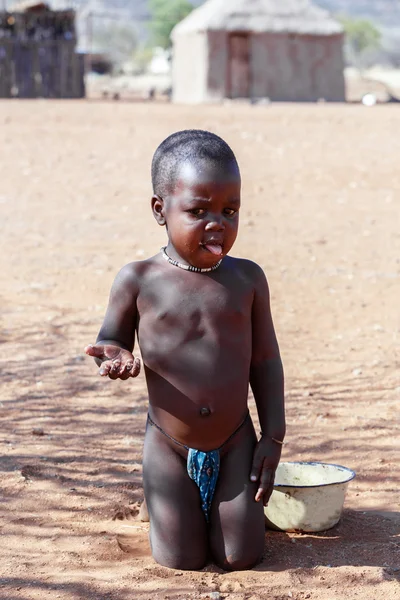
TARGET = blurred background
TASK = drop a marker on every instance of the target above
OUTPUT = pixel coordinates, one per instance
(123, 48)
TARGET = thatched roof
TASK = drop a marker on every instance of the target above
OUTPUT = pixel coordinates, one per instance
(280, 16)
(30, 5)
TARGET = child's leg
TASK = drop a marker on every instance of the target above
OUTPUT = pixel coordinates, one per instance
(178, 532)
(237, 529)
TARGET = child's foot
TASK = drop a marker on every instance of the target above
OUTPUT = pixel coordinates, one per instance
(144, 513)
(127, 528)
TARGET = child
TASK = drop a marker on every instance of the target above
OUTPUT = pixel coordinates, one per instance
(204, 327)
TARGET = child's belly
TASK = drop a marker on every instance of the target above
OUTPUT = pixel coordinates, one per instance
(198, 386)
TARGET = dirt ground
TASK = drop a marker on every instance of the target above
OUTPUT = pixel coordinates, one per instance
(321, 215)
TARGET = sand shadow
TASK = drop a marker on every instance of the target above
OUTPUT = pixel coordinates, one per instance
(361, 539)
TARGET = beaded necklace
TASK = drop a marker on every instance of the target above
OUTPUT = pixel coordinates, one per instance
(187, 267)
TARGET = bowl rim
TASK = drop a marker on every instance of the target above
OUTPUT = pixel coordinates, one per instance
(351, 473)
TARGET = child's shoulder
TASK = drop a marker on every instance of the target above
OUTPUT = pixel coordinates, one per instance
(132, 274)
(247, 268)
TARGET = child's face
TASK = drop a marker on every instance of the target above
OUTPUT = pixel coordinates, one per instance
(202, 211)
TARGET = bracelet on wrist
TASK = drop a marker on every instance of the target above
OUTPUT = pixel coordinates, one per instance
(280, 442)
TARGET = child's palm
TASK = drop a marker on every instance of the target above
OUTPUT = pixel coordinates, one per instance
(117, 363)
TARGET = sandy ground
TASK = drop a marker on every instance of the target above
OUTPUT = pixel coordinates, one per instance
(321, 214)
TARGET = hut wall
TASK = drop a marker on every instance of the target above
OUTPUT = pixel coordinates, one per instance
(189, 71)
(288, 67)
(217, 67)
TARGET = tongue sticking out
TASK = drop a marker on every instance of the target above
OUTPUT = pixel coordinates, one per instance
(214, 249)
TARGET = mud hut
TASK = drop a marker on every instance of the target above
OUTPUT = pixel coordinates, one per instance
(38, 55)
(284, 50)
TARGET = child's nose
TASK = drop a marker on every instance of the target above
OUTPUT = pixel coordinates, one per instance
(216, 224)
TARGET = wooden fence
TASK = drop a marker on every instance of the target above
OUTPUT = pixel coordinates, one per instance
(40, 69)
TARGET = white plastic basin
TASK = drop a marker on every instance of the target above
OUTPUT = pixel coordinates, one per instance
(307, 496)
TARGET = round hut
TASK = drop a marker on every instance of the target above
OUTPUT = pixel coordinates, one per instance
(284, 50)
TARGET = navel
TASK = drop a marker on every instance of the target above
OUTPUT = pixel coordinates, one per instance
(205, 412)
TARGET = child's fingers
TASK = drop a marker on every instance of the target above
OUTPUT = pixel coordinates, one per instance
(105, 368)
(256, 466)
(260, 494)
(126, 368)
(264, 493)
(135, 368)
(119, 369)
(266, 485)
(115, 368)
(95, 351)
(268, 495)
(124, 376)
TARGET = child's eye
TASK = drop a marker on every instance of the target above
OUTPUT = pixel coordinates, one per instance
(230, 212)
(198, 212)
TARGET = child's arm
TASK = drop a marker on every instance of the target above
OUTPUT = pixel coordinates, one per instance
(267, 383)
(115, 342)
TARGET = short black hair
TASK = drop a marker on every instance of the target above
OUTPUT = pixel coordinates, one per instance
(183, 146)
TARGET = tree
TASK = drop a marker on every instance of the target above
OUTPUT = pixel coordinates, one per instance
(362, 37)
(165, 14)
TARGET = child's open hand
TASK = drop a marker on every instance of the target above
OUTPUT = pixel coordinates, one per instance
(265, 462)
(117, 363)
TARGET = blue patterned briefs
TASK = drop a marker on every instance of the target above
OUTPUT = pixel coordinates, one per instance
(203, 468)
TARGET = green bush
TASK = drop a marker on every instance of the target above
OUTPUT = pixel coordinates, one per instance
(165, 14)
(362, 37)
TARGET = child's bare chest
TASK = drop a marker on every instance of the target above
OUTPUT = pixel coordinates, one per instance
(190, 310)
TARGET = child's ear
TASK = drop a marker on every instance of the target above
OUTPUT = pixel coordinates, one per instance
(157, 205)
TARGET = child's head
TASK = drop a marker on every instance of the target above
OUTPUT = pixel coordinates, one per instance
(196, 186)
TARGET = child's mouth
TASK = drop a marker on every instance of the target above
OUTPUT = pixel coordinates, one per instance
(215, 249)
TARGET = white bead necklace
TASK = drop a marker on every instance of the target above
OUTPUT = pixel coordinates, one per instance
(187, 267)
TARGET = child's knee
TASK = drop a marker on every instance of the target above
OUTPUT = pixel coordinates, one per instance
(240, 561)
(186, 562)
